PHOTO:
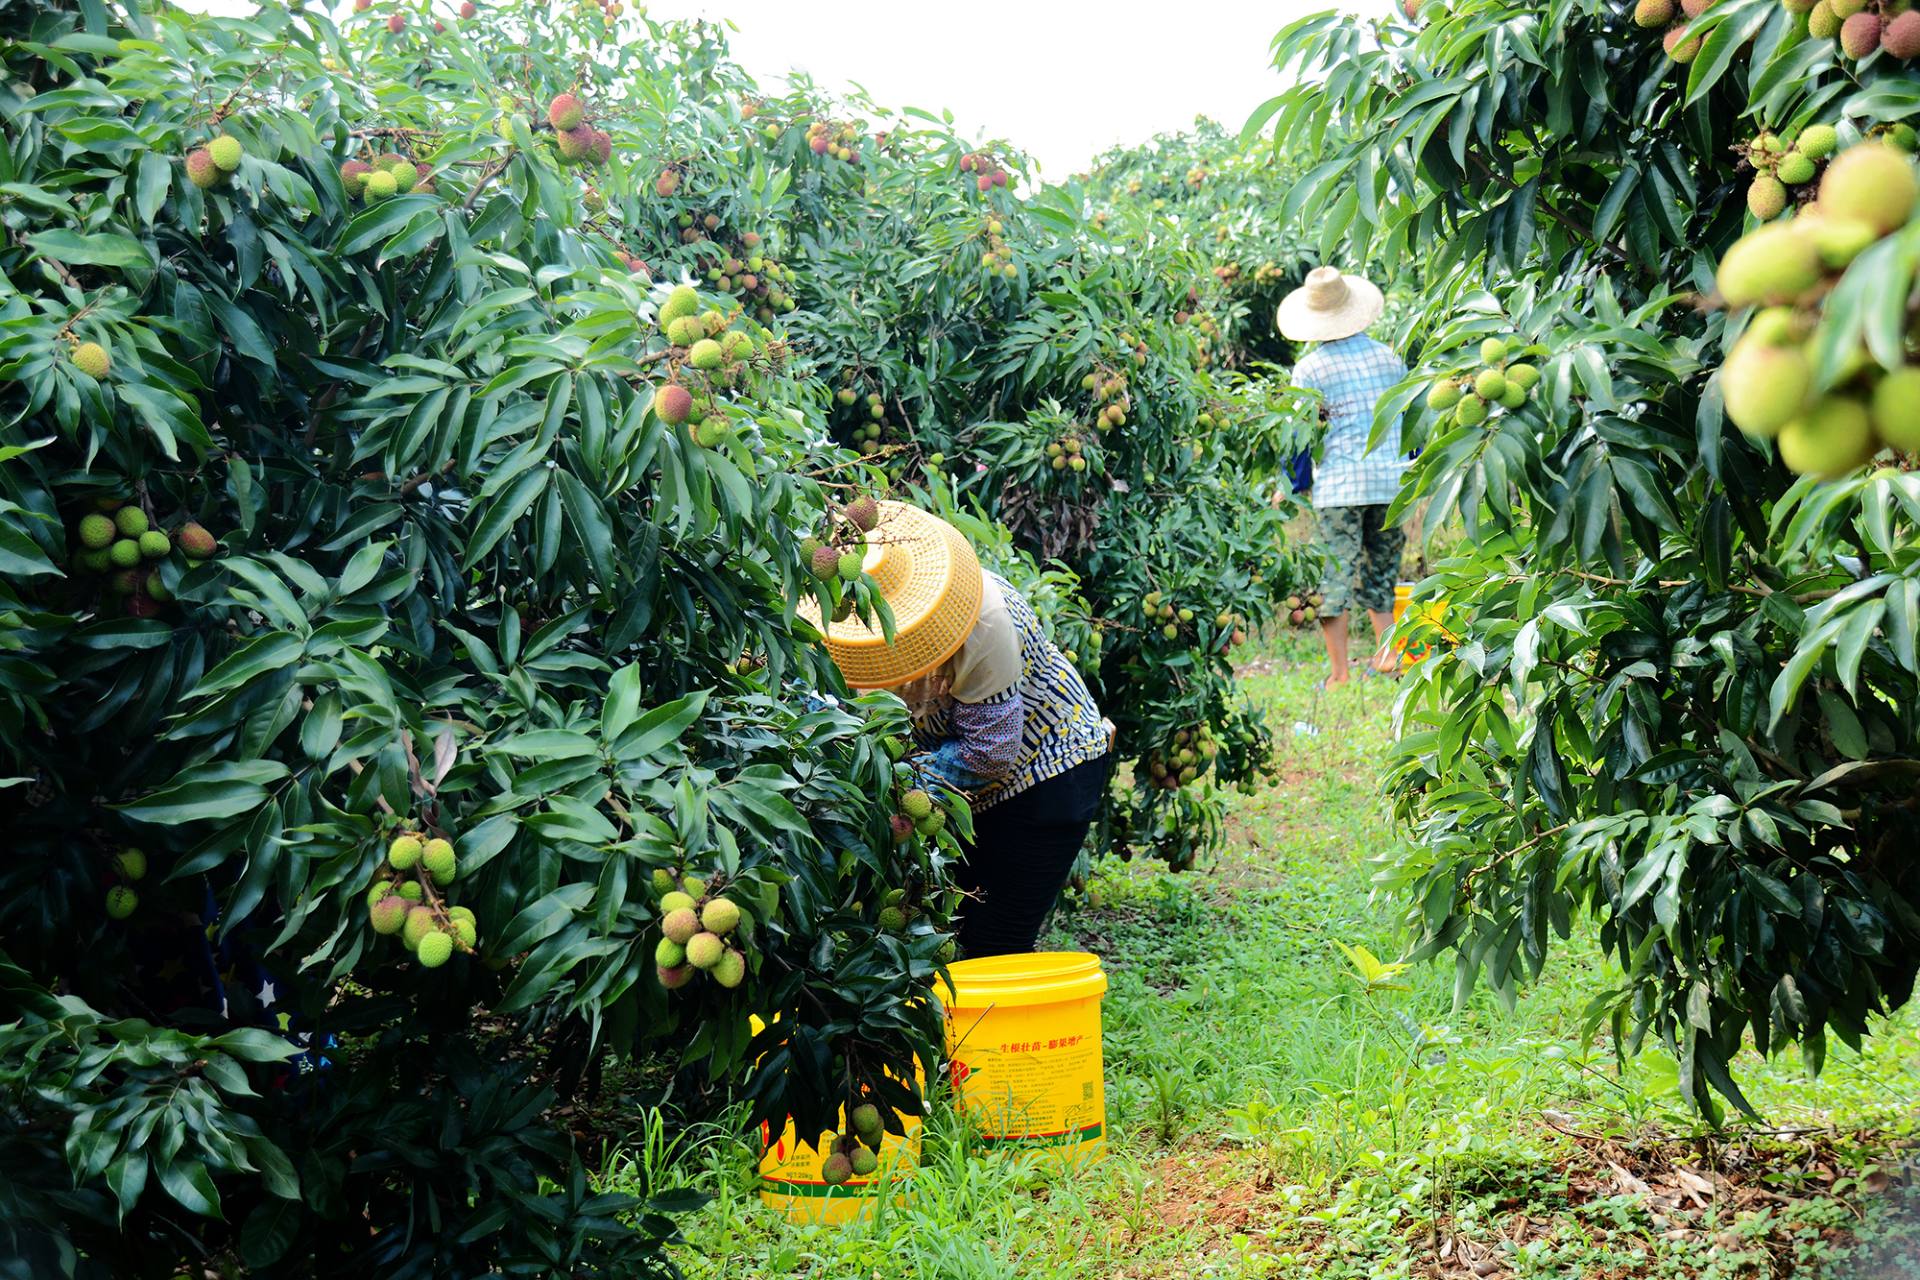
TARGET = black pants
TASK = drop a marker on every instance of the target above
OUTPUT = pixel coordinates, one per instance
(1022, 853)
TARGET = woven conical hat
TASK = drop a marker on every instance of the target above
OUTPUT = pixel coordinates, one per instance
(928, 575)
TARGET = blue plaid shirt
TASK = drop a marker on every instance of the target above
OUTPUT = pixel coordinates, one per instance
(1352, 374)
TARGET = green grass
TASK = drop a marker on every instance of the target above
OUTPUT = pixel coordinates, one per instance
(1271, 1115)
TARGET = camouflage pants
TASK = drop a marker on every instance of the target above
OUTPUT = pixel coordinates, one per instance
(1358, 543)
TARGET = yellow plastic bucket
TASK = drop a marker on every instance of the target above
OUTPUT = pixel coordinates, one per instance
(1431, 612)
(790, 1180)
(1023, 1046)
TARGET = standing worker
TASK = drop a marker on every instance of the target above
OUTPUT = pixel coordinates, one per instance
(998, 711)
(1352, 488)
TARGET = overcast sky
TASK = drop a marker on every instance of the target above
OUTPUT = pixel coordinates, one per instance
(1062, 79)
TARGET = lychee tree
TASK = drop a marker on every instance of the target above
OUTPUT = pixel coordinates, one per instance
(380, 666)
(1679, 690)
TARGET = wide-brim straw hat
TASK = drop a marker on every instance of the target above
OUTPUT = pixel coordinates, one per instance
(1329, 305)
(927, 573)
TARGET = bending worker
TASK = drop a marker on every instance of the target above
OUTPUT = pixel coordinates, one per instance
(999, 712)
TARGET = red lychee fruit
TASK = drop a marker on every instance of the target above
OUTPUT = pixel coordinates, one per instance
(397, 23)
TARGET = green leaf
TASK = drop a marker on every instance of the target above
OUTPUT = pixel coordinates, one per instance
(103, 249)
(660, 727)
(188, 1181)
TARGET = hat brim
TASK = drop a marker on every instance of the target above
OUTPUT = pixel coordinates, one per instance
(1299, 322)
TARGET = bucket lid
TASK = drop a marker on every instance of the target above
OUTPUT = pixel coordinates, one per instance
(1035, 977)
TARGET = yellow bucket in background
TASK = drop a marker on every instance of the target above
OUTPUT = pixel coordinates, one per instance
(1432, 611)
(1023, 1047)
(790, 1180)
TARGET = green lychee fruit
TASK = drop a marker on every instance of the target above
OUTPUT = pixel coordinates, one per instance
(1873, 183)
(1896, 409)
(1764, 387)
(121, 902)
(1472, 411)
(720, 916)
(683, 301)
(202, 172)
(226, 152)
(411, 891)
(1829, 440)
(1514, 396)
(435, 950)
(864, 514)
(379, 186)
(680, 924)
(438, 858)
(1766, 197)
(154, 545)
(892, 919)
(96, 531)
(130, 521)
(664, 882)
(95, 561)
(836, 1169)
(1443, 395)
(1774, 263)
(1840, 240)
(668, 954)
(931, 824)
(866, 1122)
(704, 950)
(1524, 376)
(863, 1163)
(124, 553)
(672, 403)
(131, 863)
(379, 889)
(916, 804)
(705, 354)
(1817, 141)
(157, 588)
(405, 177)
(1491, 384)
(1794, 169)
(419, 924)
(1822, 22)
(404, 852)
(91, 359)
(1492, 351)
(850, 565)
(195, 542)
(695, 887)
(389, 915)
(731, 969)
(465, 928)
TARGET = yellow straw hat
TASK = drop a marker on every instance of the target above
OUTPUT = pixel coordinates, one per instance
(928, 575)
(1329, 305)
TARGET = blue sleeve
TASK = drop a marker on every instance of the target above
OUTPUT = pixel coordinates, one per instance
(985, 745)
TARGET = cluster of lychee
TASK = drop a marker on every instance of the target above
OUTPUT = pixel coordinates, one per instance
(1065, 454)
(1863, 27)
(119, 541)
(129, 865)
(1680, 44)
(870, 422)
(385, 176)
(1162, 612)
(1500, 382)
(1109, 389)
(837, 140)
(211, 165)
(987, 172)
(1183, 759)
(854, 1154)
(1780, 164)
(743, 267)
(1785, 269)
(997, 258)
(702, 341)
(838, 556)
(697, 934)
(1303, 608)
(408, 900)
(575, 137)
(917, 814)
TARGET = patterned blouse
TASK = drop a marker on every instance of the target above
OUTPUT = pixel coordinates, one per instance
(1042, 725)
